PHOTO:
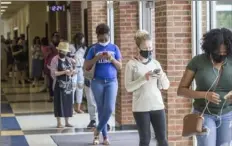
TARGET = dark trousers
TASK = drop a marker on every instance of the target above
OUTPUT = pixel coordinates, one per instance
(158, 121)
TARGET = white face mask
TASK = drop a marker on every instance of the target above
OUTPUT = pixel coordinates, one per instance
(104, 44)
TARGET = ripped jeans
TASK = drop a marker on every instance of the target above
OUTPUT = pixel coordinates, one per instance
(221, 136)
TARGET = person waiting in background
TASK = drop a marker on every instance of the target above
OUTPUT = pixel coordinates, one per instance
(45, 50)
(37, 60)
(10, 59)
(78, 49)
(3, 59)
(20, 62)
(52, 52)
(61, 72)
(24, 43)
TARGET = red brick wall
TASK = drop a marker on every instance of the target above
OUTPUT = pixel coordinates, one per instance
(173, 50)
(126, 24)
(76, 17)
(97, 13)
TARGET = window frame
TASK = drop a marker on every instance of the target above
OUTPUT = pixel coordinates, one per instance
(145, 13)
(110, 19)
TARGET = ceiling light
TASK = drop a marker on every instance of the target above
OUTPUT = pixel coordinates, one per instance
(3, 10)
(5, 3)
(4, 7)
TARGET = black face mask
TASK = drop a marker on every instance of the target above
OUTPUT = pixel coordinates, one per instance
(62, 55)
(145, 54)
(56, 43)
(218, 58)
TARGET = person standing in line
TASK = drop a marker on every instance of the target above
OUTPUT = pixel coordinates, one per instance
(107, 58)
(62, 72)
(10, 59)
(78, 49)
(91, 103)
(45, 50)
(145, 78)
(3, 59)
(52, 52)
(20, 62)
(212, 72)
(37, 61)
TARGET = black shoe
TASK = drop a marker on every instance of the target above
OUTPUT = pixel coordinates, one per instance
(92, 124)
(108, 127)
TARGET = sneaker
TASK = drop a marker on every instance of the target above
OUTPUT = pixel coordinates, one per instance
(92, 124)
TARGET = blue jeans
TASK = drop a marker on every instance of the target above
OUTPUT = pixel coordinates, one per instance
(105, 93)
(221, 136)
(78, 83)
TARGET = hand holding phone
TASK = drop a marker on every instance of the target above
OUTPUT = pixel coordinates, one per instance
(156, 73)
(228, 96)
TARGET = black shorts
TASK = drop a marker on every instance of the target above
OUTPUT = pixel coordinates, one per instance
(21, 66)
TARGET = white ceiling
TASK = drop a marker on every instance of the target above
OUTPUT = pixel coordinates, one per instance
(12, 8)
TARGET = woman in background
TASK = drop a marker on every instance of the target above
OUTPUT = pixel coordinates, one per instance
(10, 59)
(20, 62)
(52, 52)
(37, 61)
(61, 72)
(77, 52)
(45, 50)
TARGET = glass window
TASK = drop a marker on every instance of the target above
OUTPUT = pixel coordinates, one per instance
(110, 19)
(224, 14)
(224, 19)
(145, 14)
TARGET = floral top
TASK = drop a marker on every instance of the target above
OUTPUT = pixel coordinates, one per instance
(37, 52)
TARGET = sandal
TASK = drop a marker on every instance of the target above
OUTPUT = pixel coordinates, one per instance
(59, 126)
(106, 141)
(96, 140)
(80, 112)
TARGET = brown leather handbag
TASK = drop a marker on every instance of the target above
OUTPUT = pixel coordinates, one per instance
(193, 123)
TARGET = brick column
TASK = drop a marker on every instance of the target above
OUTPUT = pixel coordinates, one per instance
(126, 24)
(97, 13)
(173, 51)
(76, 18)
(62, 22)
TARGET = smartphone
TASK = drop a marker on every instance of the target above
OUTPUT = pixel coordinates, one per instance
(156, 71)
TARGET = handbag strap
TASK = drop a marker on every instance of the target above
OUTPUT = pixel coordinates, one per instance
(215, 87)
